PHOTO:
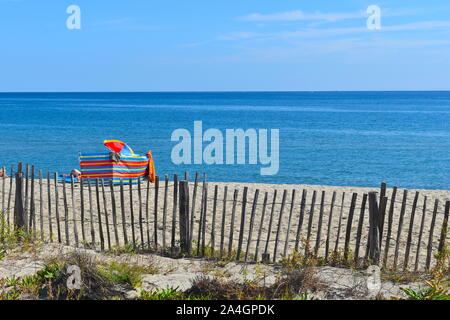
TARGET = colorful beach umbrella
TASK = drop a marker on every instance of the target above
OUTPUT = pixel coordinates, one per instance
(119, 147)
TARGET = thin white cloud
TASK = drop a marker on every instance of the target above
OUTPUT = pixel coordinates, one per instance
(298, 15)
(324, 32)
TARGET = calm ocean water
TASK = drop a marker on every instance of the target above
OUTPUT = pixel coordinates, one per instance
(330, 138)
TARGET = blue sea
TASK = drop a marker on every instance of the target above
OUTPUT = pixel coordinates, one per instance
(326, 138)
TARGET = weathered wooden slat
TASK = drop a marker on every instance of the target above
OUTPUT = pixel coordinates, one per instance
(410, 231)
(252, 222)
(389, 225)
(291, 212)
(400, 226)
(133, 230)
(105, 206)
(164, 218)
(430, 235)
(155, 213)
(2, 222)
(349, 226)
(382, 209)
(374, 225)
(200, 221)
(66, 214)
(213, 222)
(74, 212)
(261, 224)
(224, 214)
(41, 206)
(147, 213)
(26, 197)
(422, 224)
(82, 212)
(280, 217)
(194, 195)
(49, 207)
(32, 216)
(3, 211)
(444, 229)
(140, 215)
(19, 221)
(99, 216)
(8, 219)
(269, 231)
(174, 210)
(114, 213)
(300, 219)
(122, 211)
(242, 225)
(330, 222)
(233, 215)
(336, 245)
(205, 211)
(91, 215)
(184, 217)
(57, 207)
(319, 226)
(310, 222)
(360, 227)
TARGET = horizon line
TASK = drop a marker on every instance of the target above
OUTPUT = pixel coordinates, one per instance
(228, 91)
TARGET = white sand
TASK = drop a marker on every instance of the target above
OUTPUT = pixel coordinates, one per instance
(165, 233)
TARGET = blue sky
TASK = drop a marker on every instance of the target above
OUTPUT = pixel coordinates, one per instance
(204, 45)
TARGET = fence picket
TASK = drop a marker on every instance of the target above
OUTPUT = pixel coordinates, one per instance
(164, 222)
(280, 217)
(99, 215)
(57, 208)
(319, 227)
(400, 226)
(336, 246)
(300, 219)
(330, 221)
(410, 231)
(233, 215)
(74, 214)
(390, 222)
(224, 214)
(261, 224)
(174, 209)
(252, 221)
(422, 223)
(122, 210)
(213, 223)
(114, 213)
(105, 205)
(266, 256)
(444, 229)
(430, 235)
(360, 227)
(155, 213)
(83, 231)
(194, 195)
(41, 206)
(291, 212)
(349, 226)
(140, 215)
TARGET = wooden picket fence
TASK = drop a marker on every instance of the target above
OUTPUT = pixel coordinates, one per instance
(196, 219)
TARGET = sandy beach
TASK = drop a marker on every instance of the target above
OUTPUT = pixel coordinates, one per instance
(291, 213)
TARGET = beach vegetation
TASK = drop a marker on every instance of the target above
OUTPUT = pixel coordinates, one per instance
(126, 273)
(437, 286)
